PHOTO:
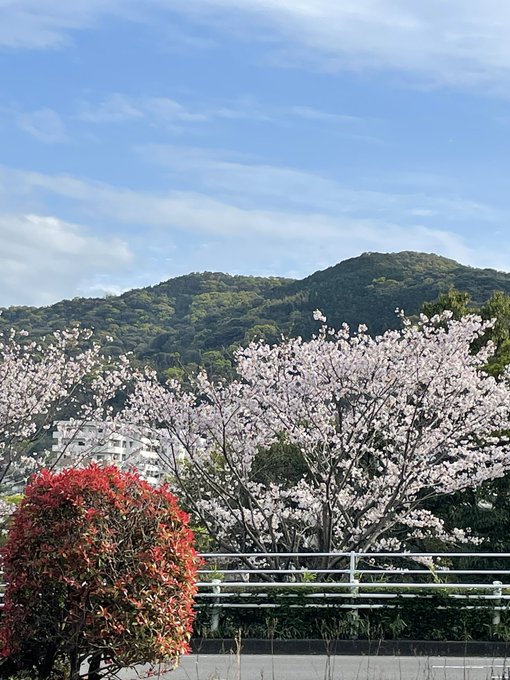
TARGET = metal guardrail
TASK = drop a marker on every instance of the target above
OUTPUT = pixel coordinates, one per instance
(363, 581)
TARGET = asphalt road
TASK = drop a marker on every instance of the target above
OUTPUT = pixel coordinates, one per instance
(260, 667)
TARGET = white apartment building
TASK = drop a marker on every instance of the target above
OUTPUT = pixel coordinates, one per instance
(79, 444)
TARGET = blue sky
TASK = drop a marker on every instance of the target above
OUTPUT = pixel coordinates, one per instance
(265, 137)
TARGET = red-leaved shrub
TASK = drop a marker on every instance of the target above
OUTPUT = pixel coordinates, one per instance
(99, 566)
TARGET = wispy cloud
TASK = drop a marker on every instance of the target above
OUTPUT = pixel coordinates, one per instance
(243, 235)
(44, 259)
(43, 24)
(169, 113)
(118, 107)
(461, 43)
(45, 125)
(251, 183)
(114, 108)
(311, 113)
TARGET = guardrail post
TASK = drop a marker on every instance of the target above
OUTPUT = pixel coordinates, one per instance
(498, 592)
(215, 616)
(354, 584)
(355, 610)
(352, 567)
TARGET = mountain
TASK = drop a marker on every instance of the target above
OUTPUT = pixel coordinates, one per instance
(201, 317)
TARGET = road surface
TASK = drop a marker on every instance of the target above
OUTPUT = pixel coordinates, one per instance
(280, 667)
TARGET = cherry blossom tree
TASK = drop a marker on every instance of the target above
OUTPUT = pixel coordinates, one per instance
(64, 374)
(373, 427)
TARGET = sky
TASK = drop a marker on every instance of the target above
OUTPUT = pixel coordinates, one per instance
(142, 141)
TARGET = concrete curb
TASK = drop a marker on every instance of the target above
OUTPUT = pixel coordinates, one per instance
(470, 648)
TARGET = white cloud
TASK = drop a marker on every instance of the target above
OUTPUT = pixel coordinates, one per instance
(311, 113)
(244, 229)
(118, 107)
(44, 259)
(241, 221)
(114, 108)
(250, 183)
(165, 109)
(460, 42)
(43, 24)
(183, 210)
(44, 124)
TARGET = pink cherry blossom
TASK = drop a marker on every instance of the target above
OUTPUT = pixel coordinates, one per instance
(380, 425)
(40, 381)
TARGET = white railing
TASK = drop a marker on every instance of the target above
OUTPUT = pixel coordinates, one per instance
(361, 581)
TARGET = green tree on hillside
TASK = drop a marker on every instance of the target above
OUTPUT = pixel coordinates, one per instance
(497, 307)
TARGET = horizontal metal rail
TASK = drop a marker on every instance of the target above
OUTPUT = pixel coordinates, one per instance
(244, 585)
(294, 572)
(393, 555)
(358, 580)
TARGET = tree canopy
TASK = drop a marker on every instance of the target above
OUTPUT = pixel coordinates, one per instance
(374, 427)
(201, 319)
(41, 381)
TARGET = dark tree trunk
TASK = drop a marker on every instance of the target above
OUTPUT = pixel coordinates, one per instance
(94, 666)
(74, 671)
(45, 666)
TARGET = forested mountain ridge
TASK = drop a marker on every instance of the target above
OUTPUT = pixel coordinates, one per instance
(200, 318)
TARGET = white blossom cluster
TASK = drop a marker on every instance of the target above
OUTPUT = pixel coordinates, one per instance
(41, 380)
(382, 424)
